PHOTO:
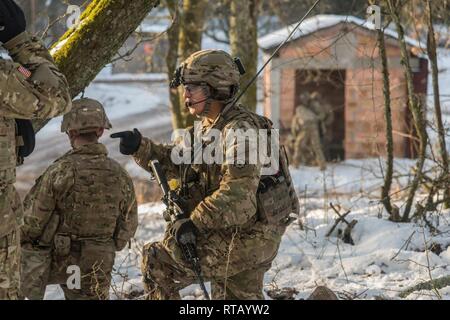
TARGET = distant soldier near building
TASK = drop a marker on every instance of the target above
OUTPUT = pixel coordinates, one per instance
(30, 87)
(325, 114)
(79, 212)
(306, 146)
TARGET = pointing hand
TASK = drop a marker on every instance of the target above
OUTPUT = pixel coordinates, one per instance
(129, 141)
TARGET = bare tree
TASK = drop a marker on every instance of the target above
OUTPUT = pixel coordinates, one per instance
(171, 61)
(243, 39)
(385, 196)
(431, 48)
(415, 107)
(190, 40)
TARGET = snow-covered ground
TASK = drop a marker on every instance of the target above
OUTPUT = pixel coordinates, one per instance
(386, 257)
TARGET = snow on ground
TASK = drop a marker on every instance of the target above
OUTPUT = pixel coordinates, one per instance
(350, 176)
(381, 263)
(131, 105)
(387, 257)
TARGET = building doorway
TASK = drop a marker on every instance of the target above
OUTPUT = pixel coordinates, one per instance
(326, 87)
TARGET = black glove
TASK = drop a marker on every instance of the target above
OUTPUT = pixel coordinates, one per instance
(26, 131)
(184, 231)
(129, 141)
(12, 20)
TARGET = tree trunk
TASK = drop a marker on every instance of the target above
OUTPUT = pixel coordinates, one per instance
(385, 197)
(190, 41)
(81, 53)
(431, 48)
(243, 42)
(415, 108)
(171, 61)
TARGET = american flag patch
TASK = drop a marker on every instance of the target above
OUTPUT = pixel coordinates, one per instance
(24, 71)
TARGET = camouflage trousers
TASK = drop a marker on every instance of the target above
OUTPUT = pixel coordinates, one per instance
(9, 266)
(239, 275)
(95, 261)
(307, 148)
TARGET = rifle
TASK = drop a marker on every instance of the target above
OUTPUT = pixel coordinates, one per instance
(176, 212)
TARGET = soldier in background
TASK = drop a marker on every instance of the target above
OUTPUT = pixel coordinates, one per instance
(79, 212)
(30, 87)
(307, 147)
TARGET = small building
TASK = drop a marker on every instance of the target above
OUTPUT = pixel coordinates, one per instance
(338, 57)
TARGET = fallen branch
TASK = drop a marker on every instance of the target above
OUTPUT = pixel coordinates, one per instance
(336, 222)
(428, 285)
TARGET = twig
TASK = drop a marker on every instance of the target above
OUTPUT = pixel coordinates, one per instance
(340, 260)
(436, 291)
(336, 222)
(230, 248)
(405, 245)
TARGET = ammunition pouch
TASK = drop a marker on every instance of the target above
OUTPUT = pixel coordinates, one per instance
(62, 243)
(274, 203)
(276, 197)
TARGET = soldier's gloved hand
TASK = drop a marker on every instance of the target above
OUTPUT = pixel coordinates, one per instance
(184, 231)
(12, 20)
(129, 141)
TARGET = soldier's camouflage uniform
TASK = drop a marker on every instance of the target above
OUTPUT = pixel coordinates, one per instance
(93, 200)
(236, 207)
(235, 248)
(42, 95)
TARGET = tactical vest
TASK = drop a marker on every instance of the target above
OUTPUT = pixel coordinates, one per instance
(92, 207)
(276, 195)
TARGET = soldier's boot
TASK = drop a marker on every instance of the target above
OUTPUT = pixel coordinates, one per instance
(163, 277)
(246, 285)
(9, 266)
(94, 286)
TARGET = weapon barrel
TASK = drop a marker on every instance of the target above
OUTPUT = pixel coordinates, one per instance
(160, 177)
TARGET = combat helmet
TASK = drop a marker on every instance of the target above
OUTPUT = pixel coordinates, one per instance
(214, 68)
(86, 116)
